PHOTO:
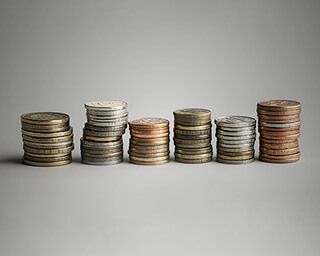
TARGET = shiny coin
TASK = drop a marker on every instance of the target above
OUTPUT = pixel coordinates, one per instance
(106, 144)
(107, 124)
(150, 163)
(57, 151)
(280, 145)
(192, 133)
(47, 164)
(264, 124)
(149, 123)
(107, 155)
(278, 141)
(148, 155)
(279, 161)
(225, 161)
(46, 159)
(280, 157)
(192, 128)
(151, 159)
(192, 112)
(275, 121)
(235, 146)
(192, 142)
(152, 147)
(233, 154)
(240, 133)
(154, 143)
(102, 139)
(102, 134)
(44, 128)
(237, 129)
(105, 129)
(48, 145)
(288, 151)
(193, 156)
(150, 131)
(47, 140)
(279, 134)
(47, 134)
(275, 138)
(234, 158)
(149, 136)
(237, 138)
(279, 105)
(193, 151)
(274, 117)
(226, 149)
(193, 161)
(148, 151)
(103, 161)
(45, 118)
(106, 105)
(278, 113)
(235, 121)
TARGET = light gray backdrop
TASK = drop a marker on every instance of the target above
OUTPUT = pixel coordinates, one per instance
(158, 56)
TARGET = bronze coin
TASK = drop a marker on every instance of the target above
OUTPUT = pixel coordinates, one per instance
(278, 141)
(278, 113)
(149, 123)
(281, 152)
(279, 105)
(262, 128)
(280, 145)
(279, 161)
(273, 117)
(195, 123)
(145, 136)
(148, 155)
(147, 143)
(150, 163)
(149, 131)
(165, 138)
(279, 134)
(278, 138)
(148, 151)
(292, 156)
(276, 121)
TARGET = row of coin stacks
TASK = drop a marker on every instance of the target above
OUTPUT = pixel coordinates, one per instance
(101, 143)
(47, 139)
(48, 136)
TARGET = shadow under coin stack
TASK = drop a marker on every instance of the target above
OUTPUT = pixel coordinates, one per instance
(279, 127)
(149, 142)
(101, 143)
(47, 139)
(192, 135)
(236, 136)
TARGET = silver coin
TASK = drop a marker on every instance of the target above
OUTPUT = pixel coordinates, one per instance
(233, 150)
(106, 128)
(289, 125)
(103, 161)
(107, 124)
(192, 133)
(236, 133)
(108, 118)
(248, 161)
(100, 148)
(102, 134)
(48, 145)
(235, 146)
(192, 145)
(101, 156)
(235, 121)
(237, 129)
(106, 105)
(244, 137)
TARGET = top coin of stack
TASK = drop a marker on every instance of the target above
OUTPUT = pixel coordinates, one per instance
(102, 135)
(236, 136)
(192, 135)
(279, 127)
(149, 142)
(47, 138)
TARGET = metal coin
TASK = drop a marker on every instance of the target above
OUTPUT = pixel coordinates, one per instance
(60, 150)
(236, 138)
(148, 155)
(47, 140)
(100, 144)
(226, 149)
(275, 121)
(236, 154)
(87, 132)
(192, 123)
(192, 142)
(106, 105)
(288, 151)
(148, 151)
(47, 164)
(192, 137)
(280, 145)
(44, 128)
(235, 158)
(236, 142)
(106, 161)
(150, 131)
(149, 136)
(45, 118)
(193, 161)
(102, 139)
(290, 137)
(193, 150)
(279, 161)
(235, 121)
(146, 159)
(193, 156)
(107, 124)
(264, 124)
(192, 128)
(101, 152)
(278, 141)
(284, 157)
(29, 157)
(274, 117)
(237, 129)
(100, 156)
(279, 105)
(224, 161)
(47, 156)
(204, 145)
(235, 146)
(192, 133)
(155, 143)
(149, 163)
(105, 129)
(149, 123)
(107, 113)
(47, 134)
(278, 113)
(48, 145)
(232, 133)
(154, 147)
(279, 134)
(269, 129)
(192, 112)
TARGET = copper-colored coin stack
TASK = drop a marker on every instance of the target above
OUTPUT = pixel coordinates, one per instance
(149, 142)
(47, 139)
(279, 127)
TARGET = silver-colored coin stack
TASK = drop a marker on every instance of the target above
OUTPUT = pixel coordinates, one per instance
(236, 136)
(101, 143)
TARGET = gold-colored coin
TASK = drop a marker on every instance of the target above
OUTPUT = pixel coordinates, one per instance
(45, 118)
(200, 156)
(46, 156)
(192, 112)
(95, 143)
(234, 157)
(151, 159)
(46, 159)
(44, 128)
(155, 143)
(93, 138)
(243, 153)
(193, 161)
(47, 140)
(47, 164)
(119, 153)
(192, 128)
(47, 134)
(148, 155)
(60, 150)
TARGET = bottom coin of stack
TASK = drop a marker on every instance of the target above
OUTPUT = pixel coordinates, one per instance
(279, 127)
(235, 139)
(47, 139)
(149, 142)
(192, 135)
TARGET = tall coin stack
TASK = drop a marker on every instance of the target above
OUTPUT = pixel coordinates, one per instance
(47, 139)
(149, 142)
(101, 143)
(192, 135)
(279, 127)
(236, 136)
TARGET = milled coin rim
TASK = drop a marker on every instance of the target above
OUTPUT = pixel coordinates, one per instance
(64, 118)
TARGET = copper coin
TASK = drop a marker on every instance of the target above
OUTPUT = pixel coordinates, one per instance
(279, 105)
(148, 151)
(278, 138)
(281, 152)
(273, 117)
(148, 147)
(276, 121)
(280, 145)
(149, 131)
(279, 134)
(278, 113)
(165, 138)
(279, 161)
(149, 123)
(147, 143)
(146, 136)
(150, 163)
(148, 155)
(262, 128)
(292, 156)
(278, 141)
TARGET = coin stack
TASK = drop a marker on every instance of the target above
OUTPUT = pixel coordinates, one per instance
(236, 136)
(192, 135)
(279, 127)
(149, 142)
(47, 139)
(101, 143)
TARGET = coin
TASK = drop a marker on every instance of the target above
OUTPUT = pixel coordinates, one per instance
(192, 128)
(225, 161)
(48, 145)
(235, 121)
(192, 133)
(237, 129)
(47, 164)
(277, 141)
(149, 163)
(154, 147)
(106, 105)
(280, 157)
(147, 143)
(102, 139)
(87, 132)
(44, 128)
(276, 121)
(278, 113)
(47, 134)
(235, 158)
(236, 133)
(193, 156)
(279, 117)
(288, 125)
(194, 146)
(45, 118)
(287, 137)
(47, 140)
(236, 142)
(149, 136)
(46, 159)
(44, 152)
(226, 149)
(192, 142)
(148, 155)
(149, 123)
(288, 151)
(193, 150)
(261, 128)
(279, 134)
(235, 146)
(233, 154)
(105, 129)
(192, 137)
(279, 105)
(101, 152)
(99, 156)
(192, 112)
(149, 131)
(148, 159)
(148, 151)
(192, 123)
(281, 145)
(193, 161)
(279, 161)
(237, 138)
(103, 161)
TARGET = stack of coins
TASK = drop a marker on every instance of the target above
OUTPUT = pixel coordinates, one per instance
(47, 139)
(101, 143)
(192, 135)
(279, 127)
(236, 136)
(149, 142)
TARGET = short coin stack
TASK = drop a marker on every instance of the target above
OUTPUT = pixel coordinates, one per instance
(101, 143)
(149, 142)
(236, 136)
(192, 135)
(279, 127)
(47, 139)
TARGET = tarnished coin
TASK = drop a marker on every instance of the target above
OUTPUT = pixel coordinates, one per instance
(105, 129)
(280, 157)
(235, 142)
(279, 105)
(47, 164)
(149, 131)
(193, 161)
(100, 144)
(280, 145)
(276, 121)
(150, 163)
(56, 151)
(264, 124)
(149, 123)
(275, 117)
(101, 152)
(102, 139)
(199, 145)
(240, 133)
(225, 161)
(47, 134)
(149, 136)
(226, 149)
(192, 112)
(148, 151)
(261, 128)
(148, 155)
(100, 156)
(87, 132)
(233, 154)
(45, 118)
(278, 113)
(288, 151)
(264, 133)
(193, 151)
(107, 124)
(106, 105)
(192, 137)
(48, 145)
(235, 121)
(243, 137)
(47, 140)
(192, 133)
(45, 128)
(235, 158)
(47, 156)
(274, 137)
(104, 161)
(154, 143)
(193, 156)
(152, 147)
(192, 142)
(148, 159)
(29, 157)
(157, 139)
(192, 128)
(235, 146)
(192, 123)
(237, 129)
(279, 161)
(278, 140)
